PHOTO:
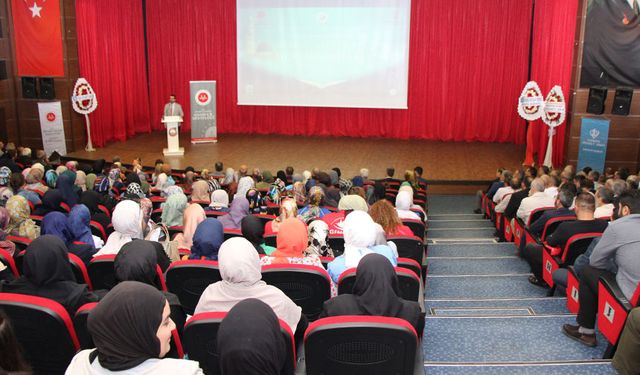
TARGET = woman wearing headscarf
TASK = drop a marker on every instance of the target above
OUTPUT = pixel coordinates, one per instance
(239, 209)
(173, 209)
(61, 169)
(241, 279)
(137, 261)
(376, 293)
(20, 224)
(362, 236)
(50, 203)
(264, 181)
(200, 191)
(288, 209)
(383, 213)
(299, 193)
(314, 209)
(162, 182)
(251, 349)
(132, 334)
(92, 199)
(18, 186)
(319, 239)
(51, 177)
(207, 239)
(91, 181)
(58, 224)
(229, 177)
(6, 245)
(134, 191)
(414, 207)
(79, 223)
(65, 184)
(81, 180)
(193, 215)
(404, 200)
(292, 241)
(47, 273)
(219, 201)
(127, 225)
(244, 185)
(376, 194)
(115, 179)
(253, 230)
(34, 178)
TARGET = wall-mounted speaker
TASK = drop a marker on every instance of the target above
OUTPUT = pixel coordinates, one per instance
(622, 101)
(597, 96)
(29, 88)
(47, 88)
(3, 70)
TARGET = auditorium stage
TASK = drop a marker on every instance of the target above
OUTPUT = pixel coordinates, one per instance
(451, 167)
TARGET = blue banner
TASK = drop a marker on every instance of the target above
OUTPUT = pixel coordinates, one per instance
(594, 135)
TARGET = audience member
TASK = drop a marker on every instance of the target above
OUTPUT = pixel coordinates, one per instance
(127, 225)
(253, 230)
(193, 215)
(564, 200)
(314, 209)
(11, 358)
(604, 203)
(383, 213)
(20, 224)
(319, 240)
(536, 199)
(626, 360)
(239, 209)
(173, 209)
(207, 239)
(5, 244)
(219, 201)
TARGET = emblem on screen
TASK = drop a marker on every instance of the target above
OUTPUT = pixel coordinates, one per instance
(203, 97)
(594, 133)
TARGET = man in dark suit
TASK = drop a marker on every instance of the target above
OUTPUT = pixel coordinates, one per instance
(564, 200)
(517, 197)
(584, 223)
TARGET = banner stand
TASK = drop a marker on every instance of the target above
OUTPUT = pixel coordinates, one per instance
(203, 112)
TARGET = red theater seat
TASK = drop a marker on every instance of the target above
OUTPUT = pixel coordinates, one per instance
(97, 230)
(20, 242)
(80, 271)
(409, 283)
(409, 247)
(43, 329)
(200, 342)
(189, 278)
(416, 226)
(554, 258)
(613, 309)
(103, 276)
(7, 260)
(355, 345)
(308, 286)
(573, 291)
(230, 233)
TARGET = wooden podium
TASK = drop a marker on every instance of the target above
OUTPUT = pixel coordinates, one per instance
(173, 136)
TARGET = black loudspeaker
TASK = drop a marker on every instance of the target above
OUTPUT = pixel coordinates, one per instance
(47, 89)
(29, 88)
(597, 96)
(622, 101)
(3, 70)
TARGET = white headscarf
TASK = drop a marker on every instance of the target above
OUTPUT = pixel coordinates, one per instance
(360, 233)
(306, 176)
(127, 225)
(404, 200)
(229, 176)
(219, 199)
(241, 279)
(244, 185)
(161, 181)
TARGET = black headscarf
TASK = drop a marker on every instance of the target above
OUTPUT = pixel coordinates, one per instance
(98, 166)
(250, 341)
(282, 176)
(91, 199)
(50, 202)
(136, 261)
(332, 197)
(124, 325)
(132, 177)
(253, 231)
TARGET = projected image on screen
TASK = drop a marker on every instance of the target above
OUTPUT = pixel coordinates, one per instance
(323, 53)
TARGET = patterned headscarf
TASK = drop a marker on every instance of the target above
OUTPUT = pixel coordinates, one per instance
(135, 189)
(5, 173)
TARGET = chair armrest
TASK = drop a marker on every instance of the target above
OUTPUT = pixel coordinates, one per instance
(610, 284)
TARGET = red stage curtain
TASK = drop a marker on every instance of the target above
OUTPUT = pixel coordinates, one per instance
(551, 64)
(468, 64)
(112, 58)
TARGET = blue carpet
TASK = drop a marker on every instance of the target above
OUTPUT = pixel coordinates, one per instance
(479, 287)
(451, 204)
(501, 249)
(539, 306)
(597, 368)
(461, 233)
(460, 223)
(503, 339)
(477, 266)
(443, 216)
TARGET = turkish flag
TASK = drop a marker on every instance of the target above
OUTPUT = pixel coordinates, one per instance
(38, 38)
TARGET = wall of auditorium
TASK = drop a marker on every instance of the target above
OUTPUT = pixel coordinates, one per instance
(623, 149)
(19, 121)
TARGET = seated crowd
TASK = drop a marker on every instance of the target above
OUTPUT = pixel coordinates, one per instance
(52, 212)
(556, 207)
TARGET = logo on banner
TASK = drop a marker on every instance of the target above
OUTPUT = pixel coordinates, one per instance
(531, 102)
(51, 117)
(594, 133)
(203, 97)
(554, 107)
(83, 97)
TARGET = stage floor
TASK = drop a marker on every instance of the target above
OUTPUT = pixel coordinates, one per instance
(453, 167)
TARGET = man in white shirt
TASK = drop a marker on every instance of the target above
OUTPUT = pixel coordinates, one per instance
(550, 186)
(515, 186)
(173, 108)
(536, 199)
(604, 203)
(506, 189)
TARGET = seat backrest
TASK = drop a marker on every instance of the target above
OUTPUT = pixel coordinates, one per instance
(175, 230)
(409, 283)
(360, 345)
(80, 271)
(230, 233)
(101, 272)
(576, 245)
(416, 226)
(307, 286)
(552, 224)
(408, 247)
(264, 218)
(189, 278)
(20, 242)
(97, 230)
(337, 244)
(43, 329)
(411, 265)
(37, 219)
(535, 214)
(271, 240)
(200, 336)
(7, 260)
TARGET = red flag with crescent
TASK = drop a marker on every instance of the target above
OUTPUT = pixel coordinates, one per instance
(38, 37)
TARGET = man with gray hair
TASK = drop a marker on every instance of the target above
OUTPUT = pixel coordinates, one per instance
(564, 201)
(536, 199)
